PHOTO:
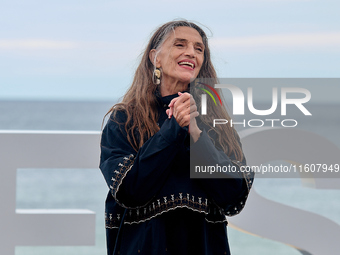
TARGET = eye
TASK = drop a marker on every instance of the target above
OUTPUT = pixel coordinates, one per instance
(199, 49)
(179, 44)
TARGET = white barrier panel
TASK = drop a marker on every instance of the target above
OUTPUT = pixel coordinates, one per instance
(308, 232)
(44, 149)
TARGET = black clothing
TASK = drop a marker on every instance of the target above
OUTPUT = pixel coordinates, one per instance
(164, 211)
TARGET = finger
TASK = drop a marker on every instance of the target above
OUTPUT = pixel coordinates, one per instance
(183, 97)
(171, 110)
(172, 102)
(182, 106)
(193, 108)
(193, 124)
(180, 112)
(194, 114)
(192, 101)
(186, 120)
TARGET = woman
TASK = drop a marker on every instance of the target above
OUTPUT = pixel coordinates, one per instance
(153, 206)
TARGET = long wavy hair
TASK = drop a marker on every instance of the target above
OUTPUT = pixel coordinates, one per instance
(140, 101)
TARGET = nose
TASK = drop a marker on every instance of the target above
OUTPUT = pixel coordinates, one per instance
(190, 51)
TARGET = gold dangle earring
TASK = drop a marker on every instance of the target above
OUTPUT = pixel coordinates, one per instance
(157, 74)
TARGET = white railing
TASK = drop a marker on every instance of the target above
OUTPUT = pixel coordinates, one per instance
(308, 232)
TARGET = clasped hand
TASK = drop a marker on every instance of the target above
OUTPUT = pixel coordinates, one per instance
(183, 108)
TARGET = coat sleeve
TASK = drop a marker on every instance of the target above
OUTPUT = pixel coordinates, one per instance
(135, 178)
(228, 190)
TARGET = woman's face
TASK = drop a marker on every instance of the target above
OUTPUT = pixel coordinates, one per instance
(181, 56)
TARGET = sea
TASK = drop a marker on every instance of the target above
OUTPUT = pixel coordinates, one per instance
(86, 188)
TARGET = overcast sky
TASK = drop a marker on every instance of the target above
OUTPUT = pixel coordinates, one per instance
(88, 50)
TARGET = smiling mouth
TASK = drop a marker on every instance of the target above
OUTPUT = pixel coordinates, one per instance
(185, 63)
